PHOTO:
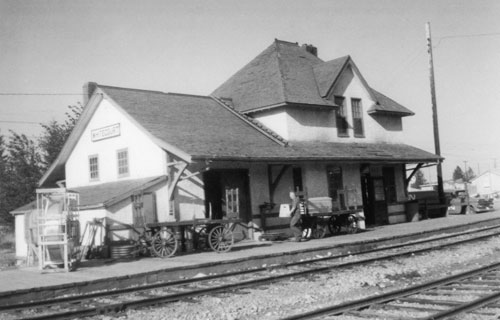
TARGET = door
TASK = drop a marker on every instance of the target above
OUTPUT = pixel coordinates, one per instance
(378, 201)
(218, 184)
(335, 186)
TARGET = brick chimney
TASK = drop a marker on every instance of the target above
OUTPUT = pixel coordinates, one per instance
(88, 90)
(311, 49)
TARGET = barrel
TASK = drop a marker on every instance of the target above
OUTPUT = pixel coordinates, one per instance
(128, 251)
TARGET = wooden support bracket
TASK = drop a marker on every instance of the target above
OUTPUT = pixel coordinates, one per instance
(407, 181)
(273, 184)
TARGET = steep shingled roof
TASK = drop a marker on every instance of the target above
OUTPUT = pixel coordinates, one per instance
(326, 73)
(386, 105)
(197, 125)
(280, 74)
(110, 193)
(204, 128)
(287, 74)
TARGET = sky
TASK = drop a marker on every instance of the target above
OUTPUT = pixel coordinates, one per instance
(50, 48)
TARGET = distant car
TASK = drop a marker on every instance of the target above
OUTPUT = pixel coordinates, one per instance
(459, 204)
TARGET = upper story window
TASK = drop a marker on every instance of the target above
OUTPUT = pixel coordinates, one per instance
(341, 119)
(122, 157)
(94, 167)
(357, 117)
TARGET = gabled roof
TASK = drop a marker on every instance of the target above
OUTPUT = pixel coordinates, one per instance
(281, 74)
(197, 125)
(186, 125)
(327, 73)
(205, 128)
(489, 172)
(288, 74)
(105, 195)
(386, 105)
(24, 209)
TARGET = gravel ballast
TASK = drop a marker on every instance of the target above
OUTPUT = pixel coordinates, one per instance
(299, 295)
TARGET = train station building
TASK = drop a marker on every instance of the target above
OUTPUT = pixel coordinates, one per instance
(286, 121)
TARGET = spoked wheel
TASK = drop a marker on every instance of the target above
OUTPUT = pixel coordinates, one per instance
(470, 210)
(201, 238)
(334, 225)
(319, 232)
(352, 224)
(306, 233)
(164, 244)
(220, 239)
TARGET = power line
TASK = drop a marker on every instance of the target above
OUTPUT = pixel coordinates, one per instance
(25, 122)
(467, 36)
(38, 94)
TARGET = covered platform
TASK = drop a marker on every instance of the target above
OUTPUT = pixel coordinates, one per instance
(29, 283)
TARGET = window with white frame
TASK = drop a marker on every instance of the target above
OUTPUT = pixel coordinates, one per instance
(341, 119)
(94, 167)
(357, 117)
(122, 157)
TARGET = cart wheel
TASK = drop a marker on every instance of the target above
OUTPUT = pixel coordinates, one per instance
(220, 239)
(470, 210)
(201, 238)
(352, 224)
(333, 225)
(164, 244)
(319, 232)
(306, 233)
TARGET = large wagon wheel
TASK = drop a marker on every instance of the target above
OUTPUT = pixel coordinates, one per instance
(220, 238)
(352, 224)
(319, 232)
(200, 238)
(164, 243)
(334, 224)
(307, 233)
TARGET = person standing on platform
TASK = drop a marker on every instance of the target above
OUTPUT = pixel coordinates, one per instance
(295, 214)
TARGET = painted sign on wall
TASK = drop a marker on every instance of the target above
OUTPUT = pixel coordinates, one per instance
(105, 132)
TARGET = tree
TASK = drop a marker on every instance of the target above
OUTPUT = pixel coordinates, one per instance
(419, 180)
(3, 179)
(22, 161)
(469, 175)
(458, 174)
(55, 135)
(22, 170)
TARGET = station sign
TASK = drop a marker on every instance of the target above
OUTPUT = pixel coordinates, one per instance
(105, 132)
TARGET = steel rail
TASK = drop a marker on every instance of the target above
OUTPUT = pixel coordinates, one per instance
(463, 308)
(394, 295)
(72, 299)
(26, 305)
(88, 296)
(117, 307)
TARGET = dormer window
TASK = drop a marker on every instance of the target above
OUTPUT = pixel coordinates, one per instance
(341, 119)
(357, 117)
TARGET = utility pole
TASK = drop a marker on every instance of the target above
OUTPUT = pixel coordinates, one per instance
(434, 115)
(466, 179)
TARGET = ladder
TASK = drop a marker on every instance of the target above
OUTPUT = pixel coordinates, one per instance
(88, 237)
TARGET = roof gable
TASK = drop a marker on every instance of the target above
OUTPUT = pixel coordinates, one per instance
(327, 73)
(197, 125)
(385, 105)
(281, 74)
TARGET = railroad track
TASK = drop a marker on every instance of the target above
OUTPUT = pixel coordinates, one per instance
(475, 292)
(161, 293)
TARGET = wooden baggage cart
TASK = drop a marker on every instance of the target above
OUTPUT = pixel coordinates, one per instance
(320, 215)
(164, 239)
